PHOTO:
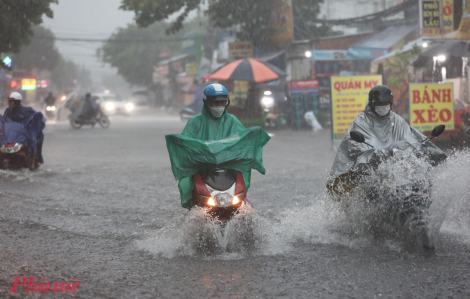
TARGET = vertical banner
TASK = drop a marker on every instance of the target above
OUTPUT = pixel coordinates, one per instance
(431, 105)
(348, 98)
(282, 22)
(430, 11)
(448, 15)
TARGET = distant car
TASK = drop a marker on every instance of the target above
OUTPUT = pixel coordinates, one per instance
(113, 104)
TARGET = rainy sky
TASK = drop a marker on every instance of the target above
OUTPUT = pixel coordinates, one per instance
(96, 19)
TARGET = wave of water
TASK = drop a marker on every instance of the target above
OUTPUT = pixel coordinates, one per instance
(353, 221)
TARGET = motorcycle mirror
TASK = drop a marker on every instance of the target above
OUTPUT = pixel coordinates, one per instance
(357, 136)
(438, 130)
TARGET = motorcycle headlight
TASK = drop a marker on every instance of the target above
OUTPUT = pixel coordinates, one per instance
(11, 149)
(267, 101)
(129, 107)
(110, 106)
(236, 199)
(211, 202)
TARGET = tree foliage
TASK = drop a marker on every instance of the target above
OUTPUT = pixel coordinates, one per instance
(250, 19)
(399, 66)
(135, 60)
(18, 17)
(40, 53)
(305, 12)
(148, 12)
(398, 77)
(67, 75)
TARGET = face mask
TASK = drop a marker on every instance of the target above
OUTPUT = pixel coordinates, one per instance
(382, 110)
(217, 111)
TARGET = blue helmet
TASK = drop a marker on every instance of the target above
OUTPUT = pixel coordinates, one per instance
(215, 92)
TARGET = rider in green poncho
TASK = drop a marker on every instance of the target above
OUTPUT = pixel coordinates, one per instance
(193, 149)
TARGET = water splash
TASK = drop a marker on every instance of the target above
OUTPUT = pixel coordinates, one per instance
(197, 233)
(353, 221)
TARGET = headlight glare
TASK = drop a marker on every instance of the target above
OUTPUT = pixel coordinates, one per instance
(211, 202)
(235, 200)
(109, 106)
(129, 107)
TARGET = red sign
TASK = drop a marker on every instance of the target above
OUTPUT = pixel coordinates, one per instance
(303, 84)
(240, 49)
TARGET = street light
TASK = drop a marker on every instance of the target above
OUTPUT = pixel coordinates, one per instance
(424, 45)
(308, 54)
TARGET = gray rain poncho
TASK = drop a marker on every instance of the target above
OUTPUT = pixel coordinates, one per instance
(380, 132)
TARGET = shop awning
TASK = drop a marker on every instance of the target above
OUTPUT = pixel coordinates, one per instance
(176, 58)
(381, 43)
(418, 42)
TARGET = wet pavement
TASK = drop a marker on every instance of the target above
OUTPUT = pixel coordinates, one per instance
(104, 209)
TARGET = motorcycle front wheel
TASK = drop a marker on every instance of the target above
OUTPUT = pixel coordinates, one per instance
(75, 123)
(104, 122)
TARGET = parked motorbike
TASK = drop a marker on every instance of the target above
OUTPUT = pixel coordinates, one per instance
(78, 121)
(221, 191)
(187, 112)
(406, 189)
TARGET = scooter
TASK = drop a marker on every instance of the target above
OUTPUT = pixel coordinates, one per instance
(15, 156)
(407, 197)
(77, 121)
(221, 191)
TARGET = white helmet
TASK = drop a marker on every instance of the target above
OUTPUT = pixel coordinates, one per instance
(15, 96)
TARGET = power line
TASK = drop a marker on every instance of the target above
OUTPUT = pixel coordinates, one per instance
(95, 40)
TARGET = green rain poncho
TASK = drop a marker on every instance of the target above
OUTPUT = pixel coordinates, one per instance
(208, 143)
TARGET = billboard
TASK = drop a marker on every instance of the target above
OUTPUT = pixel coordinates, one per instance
(431, 105)
(28, 84)
(430, 17)
(301, 86)
(240, 49)
(348, 99)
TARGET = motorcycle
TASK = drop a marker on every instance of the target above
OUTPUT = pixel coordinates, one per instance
(14, 152)
(50, 111)
(15, 156)
(403, 185)
(221, 191)
(78, 121)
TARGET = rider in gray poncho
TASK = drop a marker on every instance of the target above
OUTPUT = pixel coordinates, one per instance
(380, 127)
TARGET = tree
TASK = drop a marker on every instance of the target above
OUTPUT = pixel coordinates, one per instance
(135, 60)
(398, 78)
(304, 28)
(67, 75)
(40, 53)
(250, 19)
(18, 16)
(148, 12)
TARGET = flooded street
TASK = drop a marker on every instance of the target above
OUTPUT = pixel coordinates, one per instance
(104, 209)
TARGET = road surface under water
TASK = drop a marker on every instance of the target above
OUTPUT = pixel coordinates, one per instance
(104, 208)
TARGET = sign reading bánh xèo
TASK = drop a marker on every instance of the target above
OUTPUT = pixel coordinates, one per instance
(431, 105)
(349, 96)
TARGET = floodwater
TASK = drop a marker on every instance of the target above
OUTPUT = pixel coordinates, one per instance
(105, 209)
